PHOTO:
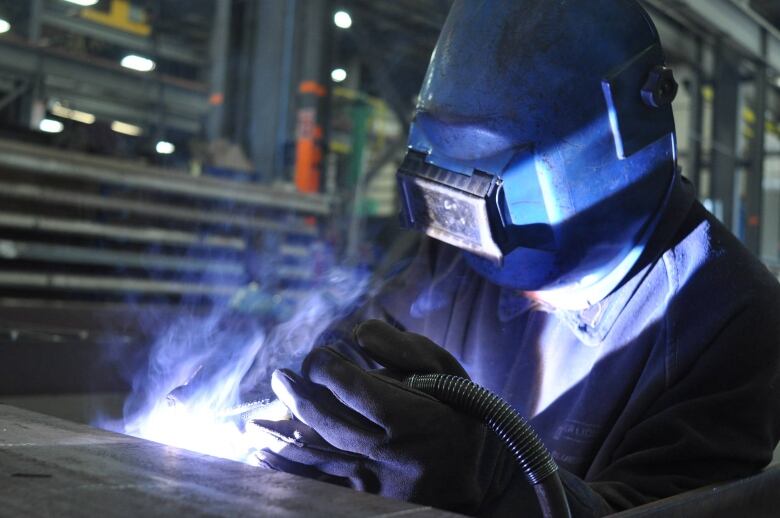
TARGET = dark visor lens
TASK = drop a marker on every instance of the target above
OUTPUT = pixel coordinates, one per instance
(458, 209)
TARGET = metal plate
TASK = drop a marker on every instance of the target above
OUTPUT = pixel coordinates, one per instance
(51, 467)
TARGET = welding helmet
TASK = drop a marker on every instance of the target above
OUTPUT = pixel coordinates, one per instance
(543, 142)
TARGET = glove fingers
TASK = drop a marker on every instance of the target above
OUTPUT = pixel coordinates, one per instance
(349, 471)
(380, 399)
(336, 424)
(333, 462)
(277, 462)
(276, 434)
(304, 451)
(406, 352)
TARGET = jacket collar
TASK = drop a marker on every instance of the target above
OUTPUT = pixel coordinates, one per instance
(592, 324)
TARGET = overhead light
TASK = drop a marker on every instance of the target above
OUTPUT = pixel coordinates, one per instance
(83, 3)
(777, 81)
(51, 126)
(165, 148)
(338, 75)
(4, 26)
(126, 129)
(66, 113)
(139, 63)
(342, 19)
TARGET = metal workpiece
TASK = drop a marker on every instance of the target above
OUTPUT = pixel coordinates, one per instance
(51, 467)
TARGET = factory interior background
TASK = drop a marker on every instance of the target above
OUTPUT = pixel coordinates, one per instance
(180, 167)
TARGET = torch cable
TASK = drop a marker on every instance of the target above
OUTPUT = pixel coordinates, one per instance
(519, 437)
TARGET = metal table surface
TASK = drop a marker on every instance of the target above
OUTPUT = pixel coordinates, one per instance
(52, 467)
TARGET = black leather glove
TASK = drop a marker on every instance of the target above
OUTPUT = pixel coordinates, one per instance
(370, 432)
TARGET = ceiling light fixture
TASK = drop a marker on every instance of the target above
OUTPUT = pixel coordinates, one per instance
(126, 129)
(138, 63)
(61, 111)
(165, 148)
(338, 75)
(342, 19)
(51, 126)
(83, 3)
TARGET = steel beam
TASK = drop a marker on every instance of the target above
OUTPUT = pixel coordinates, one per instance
(266, 89)
(67, 282)
(220, 30)
(679, 42)
(35, 14)
(285, 82)
(41, 160)
(91, 78)
(724, 135)
(134, 234)
(66, 254)
(163, 47)
(14, 94)
(741, 24)
(754, 194)
(372, 57)
(37, 193)
(696, 118)
(19, 56)
(105, 106)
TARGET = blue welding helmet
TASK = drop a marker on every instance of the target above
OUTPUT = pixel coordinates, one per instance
(543, 142)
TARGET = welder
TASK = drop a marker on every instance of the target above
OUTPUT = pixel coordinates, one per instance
(568, 268)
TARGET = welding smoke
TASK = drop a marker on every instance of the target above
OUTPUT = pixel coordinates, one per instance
(220, 359)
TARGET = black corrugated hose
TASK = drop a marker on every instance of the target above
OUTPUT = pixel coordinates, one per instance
(536, 462)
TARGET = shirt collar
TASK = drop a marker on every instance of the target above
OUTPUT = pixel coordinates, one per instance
(592, 324)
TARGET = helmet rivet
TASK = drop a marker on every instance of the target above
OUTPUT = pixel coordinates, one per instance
(660, 88)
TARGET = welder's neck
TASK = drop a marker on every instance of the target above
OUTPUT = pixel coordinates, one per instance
(562, 299)
(582, 295)
(574, 298)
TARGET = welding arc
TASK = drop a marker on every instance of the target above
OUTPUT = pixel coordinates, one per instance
(243, 410)
(517, 435)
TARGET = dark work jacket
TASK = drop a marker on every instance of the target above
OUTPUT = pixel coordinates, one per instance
(670, 383)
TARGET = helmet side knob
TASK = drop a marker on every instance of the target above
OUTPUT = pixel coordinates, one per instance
(661, 88)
